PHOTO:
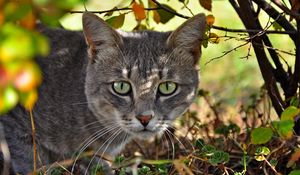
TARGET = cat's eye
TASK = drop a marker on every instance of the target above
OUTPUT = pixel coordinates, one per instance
(167, 88)
(121, 87)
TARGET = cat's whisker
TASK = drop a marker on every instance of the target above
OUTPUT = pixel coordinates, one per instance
(188, 141)
(111, 138)
(91, 139)
(172, 144)
(174, 136)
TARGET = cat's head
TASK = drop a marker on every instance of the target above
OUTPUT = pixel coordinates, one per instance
(141, 81)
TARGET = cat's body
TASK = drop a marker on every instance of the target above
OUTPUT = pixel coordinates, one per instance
(82, 96)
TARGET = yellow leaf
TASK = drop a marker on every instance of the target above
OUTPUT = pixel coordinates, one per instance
(206, 4)
(28, 21)
(28, 99)
(295, 157)
(214, 38)
(210, 20)
(139, 11)
(156, 17)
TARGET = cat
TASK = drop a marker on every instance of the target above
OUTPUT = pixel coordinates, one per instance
(103, 88)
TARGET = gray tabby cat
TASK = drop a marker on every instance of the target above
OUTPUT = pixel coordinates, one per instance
(128, 85)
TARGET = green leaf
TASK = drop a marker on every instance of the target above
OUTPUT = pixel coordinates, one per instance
(261, 135)
(284, 128)
(164, 15)
(116, 21)
(144, 170)
(208, 150)
(276, 26)
(219, 157)
(199, 143)
(8, 99)
(295, 172)
(262, 150)
(290, 113)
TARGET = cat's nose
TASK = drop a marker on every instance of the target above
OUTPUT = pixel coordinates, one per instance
(144, 119)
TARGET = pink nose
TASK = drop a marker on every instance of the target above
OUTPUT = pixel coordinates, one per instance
(144, 119)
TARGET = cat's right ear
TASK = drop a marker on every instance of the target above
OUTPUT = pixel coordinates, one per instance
(98, 34)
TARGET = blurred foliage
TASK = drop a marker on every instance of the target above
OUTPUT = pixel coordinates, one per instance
(20, 42)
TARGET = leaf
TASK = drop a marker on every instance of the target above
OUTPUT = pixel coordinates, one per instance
(8, 99)
(164, 15)
(262, 150)
(284, 128)
(290, 113)
(28, 99)
(116, 21)
(276, 26)
(214, 38)
(210, 20)
(295, 172)
(261, 135)
(218, 157)
(206, 4)
(199, 143)
(294, 157)
(28, 77)
(139, 11)
(208, 150)
(156, 17)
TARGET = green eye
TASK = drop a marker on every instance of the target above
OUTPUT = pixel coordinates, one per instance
(167, 88)
(121, 87)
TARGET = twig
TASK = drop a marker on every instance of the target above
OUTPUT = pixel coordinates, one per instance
(187, 17)
(253, 31)
(227, 52)
(33, 131)
(169, 10)
(111, 10)
(286, 10)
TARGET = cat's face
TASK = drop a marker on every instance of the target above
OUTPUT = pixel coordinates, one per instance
(140, 82)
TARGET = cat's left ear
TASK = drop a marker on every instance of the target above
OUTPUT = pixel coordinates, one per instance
(98, 34)
(189, 36)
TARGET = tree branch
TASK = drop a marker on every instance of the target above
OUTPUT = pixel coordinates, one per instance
(254, 31)
(286, 10)
(273, 13)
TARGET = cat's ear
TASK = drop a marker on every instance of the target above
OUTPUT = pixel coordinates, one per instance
(98, 34)
(189, 36)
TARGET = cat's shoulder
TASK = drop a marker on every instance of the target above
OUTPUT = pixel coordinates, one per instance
(66, 46)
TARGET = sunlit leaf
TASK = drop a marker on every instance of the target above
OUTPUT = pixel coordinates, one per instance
(156, 17)
(8, 99)
(206, 4)
(210, 20)
(262, 150)
(277, 26)
(214, 38)
(139, 11)
(28, 77)
(289, 113)
(261, 135)
(116, 21)
(284, 128)
(164, 15)
(28, 99)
